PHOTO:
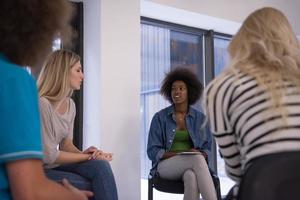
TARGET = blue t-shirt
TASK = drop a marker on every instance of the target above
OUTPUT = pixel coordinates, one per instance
(20, 136)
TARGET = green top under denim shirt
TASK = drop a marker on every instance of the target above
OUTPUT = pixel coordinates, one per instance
(182, 141)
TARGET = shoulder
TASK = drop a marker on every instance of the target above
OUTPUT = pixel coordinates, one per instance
(72, 106)
(195, 111)
(162, 114)
(196, 114)
(13, 75)
(44, 101)
(72, 103)
(220, 79)
(45, 105)
(223, 83)
(165, 111)
(17, 86)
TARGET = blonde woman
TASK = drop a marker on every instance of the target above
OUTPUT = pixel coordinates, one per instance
(254, 105)
(61, 75)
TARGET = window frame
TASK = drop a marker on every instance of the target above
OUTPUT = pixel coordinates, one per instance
(207, 62)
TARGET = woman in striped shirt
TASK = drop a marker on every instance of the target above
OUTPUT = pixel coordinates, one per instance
(254, 105)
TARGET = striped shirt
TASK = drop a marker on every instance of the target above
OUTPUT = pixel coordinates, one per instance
(245, 125)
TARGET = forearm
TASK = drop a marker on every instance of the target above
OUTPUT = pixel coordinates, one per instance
(35, 185)
(70, 157)
(168, 155)
(203, 152)
(49, 190)
(69, 147)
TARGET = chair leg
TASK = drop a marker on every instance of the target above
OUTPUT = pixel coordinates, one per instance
(150, 189)
(216, 182)
(218, 189)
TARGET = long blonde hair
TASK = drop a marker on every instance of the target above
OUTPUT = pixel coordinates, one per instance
(267, 48)
(53, 81)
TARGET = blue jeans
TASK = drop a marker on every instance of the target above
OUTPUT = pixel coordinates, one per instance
(94, 175)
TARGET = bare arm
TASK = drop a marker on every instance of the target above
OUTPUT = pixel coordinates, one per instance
(65, 157)
(69, 153)
(168, 155)
(67, 145)
(28, 182)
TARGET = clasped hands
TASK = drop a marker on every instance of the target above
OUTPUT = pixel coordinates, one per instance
(96, 154)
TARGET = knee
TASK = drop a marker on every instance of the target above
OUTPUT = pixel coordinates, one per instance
(100, 166)
(200, 162)
(190, 180)
(188, 175)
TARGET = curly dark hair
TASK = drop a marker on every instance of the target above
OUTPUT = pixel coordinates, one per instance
(194, 86)
(28, 28)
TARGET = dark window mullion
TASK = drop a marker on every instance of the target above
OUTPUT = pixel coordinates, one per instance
(173, 26)
(209, 75)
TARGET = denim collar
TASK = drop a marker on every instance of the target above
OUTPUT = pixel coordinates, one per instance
(191, 112)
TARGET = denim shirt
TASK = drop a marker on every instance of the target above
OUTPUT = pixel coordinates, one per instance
(162, 133)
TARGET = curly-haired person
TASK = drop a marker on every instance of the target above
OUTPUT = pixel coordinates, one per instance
(27, 30)
(177, 129)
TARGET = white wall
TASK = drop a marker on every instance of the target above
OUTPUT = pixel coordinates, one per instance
(112, 85)
(112, 68)
(91, 64)
(236, 10)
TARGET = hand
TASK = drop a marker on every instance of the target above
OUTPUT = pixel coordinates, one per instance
(103, 156)
(82, 194)
(108, 156)
(97, 154)
(195, 150)
(200, 152)
(90, 150)
(168, 154)
(94, 152)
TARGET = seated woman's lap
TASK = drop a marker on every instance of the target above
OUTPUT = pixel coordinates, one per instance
(75, 179)
(174, 168)
(98, 173)
(89, 169)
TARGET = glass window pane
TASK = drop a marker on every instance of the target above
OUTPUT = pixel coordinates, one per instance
(161, 50)
(221, 58)
(155, 59)
(56, 44)
(186, 51)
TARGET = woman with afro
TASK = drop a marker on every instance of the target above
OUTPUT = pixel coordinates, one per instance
(178, 146)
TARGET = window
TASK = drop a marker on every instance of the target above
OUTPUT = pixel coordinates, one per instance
(221, 59)
(56, 44)
(164, 46)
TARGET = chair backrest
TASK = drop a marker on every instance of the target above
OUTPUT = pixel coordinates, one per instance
(272, 177)
(176, 187)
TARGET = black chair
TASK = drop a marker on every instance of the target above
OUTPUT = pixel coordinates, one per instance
(272, 177)
(176, 187)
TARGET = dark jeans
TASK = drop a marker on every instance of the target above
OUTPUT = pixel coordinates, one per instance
(94, 175)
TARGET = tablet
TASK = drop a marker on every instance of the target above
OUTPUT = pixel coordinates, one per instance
(188, 153)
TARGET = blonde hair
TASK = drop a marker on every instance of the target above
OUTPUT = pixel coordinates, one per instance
(267, 48)
(53, 81)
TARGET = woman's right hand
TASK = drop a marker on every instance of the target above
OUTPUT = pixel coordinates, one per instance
(82, 194)
(100, 155)
(168, 154)
(97, 154)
